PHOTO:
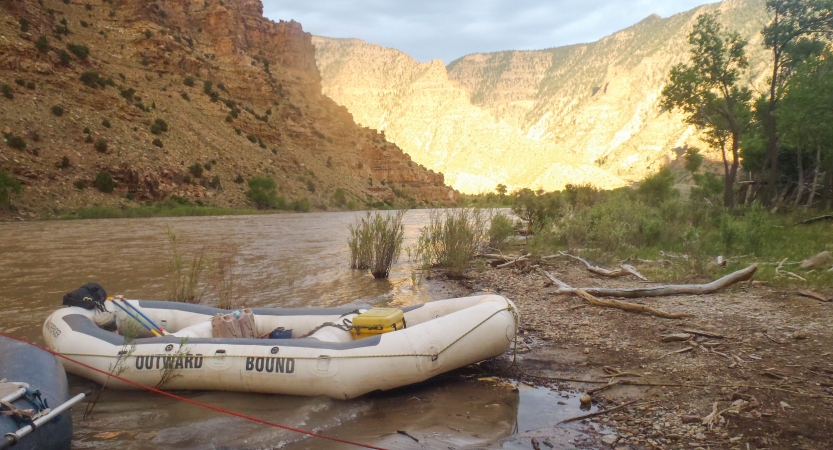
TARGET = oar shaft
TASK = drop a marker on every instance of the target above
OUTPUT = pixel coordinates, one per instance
(160, 329)
(11, 438)
(136, 319)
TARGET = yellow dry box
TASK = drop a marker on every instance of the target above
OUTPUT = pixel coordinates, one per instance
(377, 321)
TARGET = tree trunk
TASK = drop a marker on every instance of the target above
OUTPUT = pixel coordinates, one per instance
(800, 179)
(815, 177)
(771, 131)
(827, 189)
(731, 173)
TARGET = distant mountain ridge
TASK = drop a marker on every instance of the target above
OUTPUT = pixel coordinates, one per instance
(584, 113)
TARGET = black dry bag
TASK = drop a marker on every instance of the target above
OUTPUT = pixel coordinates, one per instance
(89, 296)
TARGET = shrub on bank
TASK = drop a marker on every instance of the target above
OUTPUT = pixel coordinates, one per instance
(376, 241)
(451, 239)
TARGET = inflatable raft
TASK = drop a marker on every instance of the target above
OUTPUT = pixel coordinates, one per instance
(311, 351)
(33, 389)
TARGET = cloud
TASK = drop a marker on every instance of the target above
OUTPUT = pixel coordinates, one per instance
(449, 29)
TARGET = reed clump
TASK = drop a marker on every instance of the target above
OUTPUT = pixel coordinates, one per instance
(376, 241)
(185, 274)
(451, 239)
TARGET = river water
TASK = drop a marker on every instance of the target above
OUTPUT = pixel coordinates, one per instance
(288, 260)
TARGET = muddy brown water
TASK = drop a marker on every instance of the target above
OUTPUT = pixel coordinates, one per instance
(289, 260)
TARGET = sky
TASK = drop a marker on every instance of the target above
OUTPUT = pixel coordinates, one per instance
(449, 29)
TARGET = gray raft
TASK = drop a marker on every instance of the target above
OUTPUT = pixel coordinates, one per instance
(20, 362)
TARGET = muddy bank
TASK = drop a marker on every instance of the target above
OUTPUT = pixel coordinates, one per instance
(762, 362)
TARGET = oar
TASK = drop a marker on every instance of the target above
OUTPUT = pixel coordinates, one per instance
(136, 318)
(160, 329)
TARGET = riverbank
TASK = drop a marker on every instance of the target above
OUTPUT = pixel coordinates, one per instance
(755, 353)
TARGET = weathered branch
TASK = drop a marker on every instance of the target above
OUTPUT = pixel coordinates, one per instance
(624, 269)
(661, 291)
(778, 271)
(629, 306)
(816, 219)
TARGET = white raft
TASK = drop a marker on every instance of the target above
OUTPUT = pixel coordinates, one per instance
(440, 336)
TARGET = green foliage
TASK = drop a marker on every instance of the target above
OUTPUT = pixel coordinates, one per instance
(42, 44)
(207, 87)
(184, 282)
(79, 50)
(755, 230)
(79, 184)
(92, 79)
(58, 110)
(185, 96)
(376, 241)
(158, 126)
(340, 197)
(64, 162)
(106, 123)
(451, 239)
(7, 91)
(24, 24)
(8, 185)
(310, 186)
(252, 138)
(64, 57)
(158, 143)
(101, 146)
(195, 170)
(534, 208)
(104, 182)
(500, 231)
(262, 192)
(148, 34)
(693, 159)
(188, 81)
(658, 187)
(128, 93)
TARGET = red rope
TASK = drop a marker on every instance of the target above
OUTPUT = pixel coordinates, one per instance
(195, 402)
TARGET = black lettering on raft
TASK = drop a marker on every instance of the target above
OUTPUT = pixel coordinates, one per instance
(270, 364)
(150, 362)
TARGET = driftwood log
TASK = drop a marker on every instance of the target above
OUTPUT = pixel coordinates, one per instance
(661, 291)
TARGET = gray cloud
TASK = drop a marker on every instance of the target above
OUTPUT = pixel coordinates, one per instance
(449, 29)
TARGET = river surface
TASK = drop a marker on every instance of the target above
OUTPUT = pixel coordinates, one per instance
(288, 260)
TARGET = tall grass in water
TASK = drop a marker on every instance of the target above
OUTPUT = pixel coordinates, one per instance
(451, 239)
(376, 241)
(184, 276)
(223, 279)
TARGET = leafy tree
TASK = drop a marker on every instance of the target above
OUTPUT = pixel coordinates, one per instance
(806, 116)
(708, 91)
(501, 189)
(793, 24)
(8, 185)
(693, 159)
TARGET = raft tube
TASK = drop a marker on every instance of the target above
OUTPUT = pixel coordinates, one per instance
(439, 336)
(24, 365)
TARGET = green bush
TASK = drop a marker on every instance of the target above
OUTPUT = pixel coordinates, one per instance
(58, 110)
(451, 239)
(239, 179)
(128, 93)
(252, 138)
(64, 57)
(92, 79)
(207, 87)
(104, 182)
(163, 126)
(101, 146)
(500, 231)
(30, 85)
(8, 185)
(42, 44)
(79, 50)
(188, 81)
(185, 96)
(20, 82)
(106, 123)
(89, 138)
(302, 205)
(659, 187)
(7, 91)
(15, 142)
(79, 184)
(24, 24)
(262, 192)
(340, 197)
(158, 143)
(375, 242)
(755, 229)
(87, 130)
(148, 34)
(196, 170)
(64, 162)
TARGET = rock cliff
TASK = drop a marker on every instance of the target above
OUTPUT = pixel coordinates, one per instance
(538, 119)
(180, 98)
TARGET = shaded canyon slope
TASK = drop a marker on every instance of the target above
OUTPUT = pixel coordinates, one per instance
(584, 113)
(254, 108)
